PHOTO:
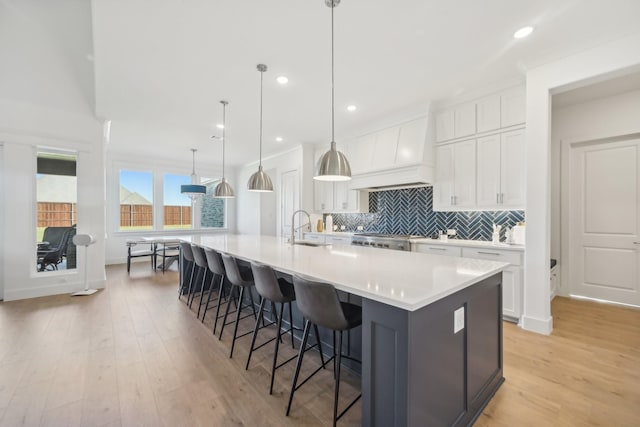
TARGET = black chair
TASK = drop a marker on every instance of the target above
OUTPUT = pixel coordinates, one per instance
(320, 305)
(168, 253)
(216, 265)
(274, 290)
(52, 251)
(147, 251)
(239, 281)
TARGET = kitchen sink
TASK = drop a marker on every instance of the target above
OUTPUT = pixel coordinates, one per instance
(307, 243)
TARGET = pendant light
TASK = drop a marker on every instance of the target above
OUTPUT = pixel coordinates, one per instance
(333, 165)
(193, 190)
(260, 181)
(223, 189)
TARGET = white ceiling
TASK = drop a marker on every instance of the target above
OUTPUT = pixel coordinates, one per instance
(166, 64)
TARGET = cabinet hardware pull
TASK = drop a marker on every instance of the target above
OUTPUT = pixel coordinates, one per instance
(636, 243)
(501, 198)
(488, 253)
(451, 200)
(497, 198)
(437, 249)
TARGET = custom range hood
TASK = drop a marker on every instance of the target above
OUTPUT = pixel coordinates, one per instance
(394, 179)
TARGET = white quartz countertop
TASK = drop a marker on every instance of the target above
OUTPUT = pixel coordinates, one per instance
(401, 279)
(468, 243)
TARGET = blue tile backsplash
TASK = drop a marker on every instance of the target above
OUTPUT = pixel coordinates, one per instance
(410, 211)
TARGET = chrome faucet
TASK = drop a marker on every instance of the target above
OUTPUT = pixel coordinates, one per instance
(292, 238)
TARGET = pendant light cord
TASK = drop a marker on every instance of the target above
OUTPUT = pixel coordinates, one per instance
(261, 78)
(333, 138)
(224, 128)
(193, 168)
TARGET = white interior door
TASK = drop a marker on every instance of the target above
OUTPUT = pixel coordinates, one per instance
(290, 198)
(604, 221)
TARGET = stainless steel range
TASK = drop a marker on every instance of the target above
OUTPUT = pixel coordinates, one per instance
(399, 242)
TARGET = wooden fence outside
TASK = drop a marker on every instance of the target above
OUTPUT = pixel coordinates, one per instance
(57, 214)
(142, 215)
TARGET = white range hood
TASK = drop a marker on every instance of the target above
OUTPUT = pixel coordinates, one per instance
(393, 179)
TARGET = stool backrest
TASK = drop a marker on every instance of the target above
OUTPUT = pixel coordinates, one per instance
(266, 282)
(214, 260)
(187, 253)
(231, 268)
(319, 303)
(198, 256)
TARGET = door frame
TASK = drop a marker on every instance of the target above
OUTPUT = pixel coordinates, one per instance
(566, 149)
(2, 203)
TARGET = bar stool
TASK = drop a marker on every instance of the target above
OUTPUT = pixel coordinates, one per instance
(280, 291)
(216, 265)
(239, 282)
(187, 283)
(201, 262)
(320, 305)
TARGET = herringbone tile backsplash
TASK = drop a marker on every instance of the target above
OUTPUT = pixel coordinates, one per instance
(410, 211)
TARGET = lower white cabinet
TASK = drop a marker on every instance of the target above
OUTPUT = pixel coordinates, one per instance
(329, 239)
(512, 276)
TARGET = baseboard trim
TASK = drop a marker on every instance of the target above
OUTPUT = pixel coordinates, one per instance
(541, 326)
(45, 291)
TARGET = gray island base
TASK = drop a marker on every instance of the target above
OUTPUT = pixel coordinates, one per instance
(419, 372)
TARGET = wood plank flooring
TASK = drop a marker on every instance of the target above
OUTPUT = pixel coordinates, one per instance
(134, 355)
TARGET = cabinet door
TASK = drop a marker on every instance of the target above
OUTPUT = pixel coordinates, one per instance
(513, 107)
(465, 120)
(323, 196)
(384, 154)
(443, 187)
(411, 142)
(488, 185)
(437, 249)
(511, 293)
(512, 181)
(444, 125)
(361, 153)
(464, 186)
(488, 111)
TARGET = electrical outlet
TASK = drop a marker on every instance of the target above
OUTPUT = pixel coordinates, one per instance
(458, 320)
(451, 232)
(360, 228)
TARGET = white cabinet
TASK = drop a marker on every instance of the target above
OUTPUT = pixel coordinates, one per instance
(314, 237)
(338, 240)
(464, 121)
(488, 113)
(330, 239)
(384, 153)
(346, 200)
(457, 122)
(501, 167)
(455, 186)
(411, 142)
(513, 107)
(437, 249)
(323, 200)
(360, 153)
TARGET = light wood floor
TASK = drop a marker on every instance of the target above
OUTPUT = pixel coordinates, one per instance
(133, 355)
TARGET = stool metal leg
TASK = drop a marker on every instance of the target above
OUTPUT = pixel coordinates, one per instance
(305, 336)
(255, 331)
(226, 311)
(337, 375)
(315, 330)
(220, 292)
(275, 354)
(291, 324)
(238, 311)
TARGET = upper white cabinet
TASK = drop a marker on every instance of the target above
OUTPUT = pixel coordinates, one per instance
(384, 153)
(359, 151)
(501, 166)
(336, 196)
(488, 111)
(513, 110)
(411, 140)
(491, 113)
(455, 186)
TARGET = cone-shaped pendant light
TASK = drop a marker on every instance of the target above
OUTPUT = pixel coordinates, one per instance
(223, 189)
(260, 181)
(193, 190)
(333, 165)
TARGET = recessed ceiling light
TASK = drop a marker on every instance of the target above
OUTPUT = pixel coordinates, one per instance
(279, 139)
(220, 126)
(282, 80)
(351, 108)
(523, 32)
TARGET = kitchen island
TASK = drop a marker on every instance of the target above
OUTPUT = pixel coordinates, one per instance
(431, 332)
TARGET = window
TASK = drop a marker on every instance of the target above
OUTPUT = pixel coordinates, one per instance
(212, 210)
(56, 211)
(177, 206)
(136, 200)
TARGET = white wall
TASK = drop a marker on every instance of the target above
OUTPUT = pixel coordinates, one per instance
(46, 101)
(249, 205)
(608, 117)
(568, 73)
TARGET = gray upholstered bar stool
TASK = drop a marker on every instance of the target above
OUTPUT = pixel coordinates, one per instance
(187, 278)
(275, 290)
(319, 304)
(201, 262)
(239, 281)
(216, 265)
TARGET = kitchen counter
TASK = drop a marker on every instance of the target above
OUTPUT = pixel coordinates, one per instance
(468, 243)
(431, 335)
(331, 233)
(401, 279)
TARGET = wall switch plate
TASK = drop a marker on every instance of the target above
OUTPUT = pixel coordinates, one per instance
(458, 320)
